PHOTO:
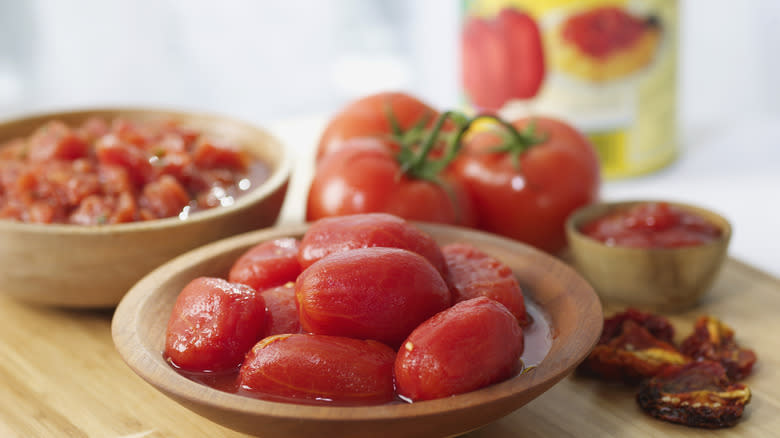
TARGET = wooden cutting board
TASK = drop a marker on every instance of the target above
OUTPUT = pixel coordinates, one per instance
(61, 377)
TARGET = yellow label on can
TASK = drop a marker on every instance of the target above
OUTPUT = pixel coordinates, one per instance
(606, 66)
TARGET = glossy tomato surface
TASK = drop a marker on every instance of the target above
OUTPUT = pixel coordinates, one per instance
(473, 273)
(370, 293)
(471, 345)
(530, 199)
(366, 177)
(267, 264)
(336, 234)
(213, 324)
(369, 116)
(328, 369)
(281, 310)
(652, 225)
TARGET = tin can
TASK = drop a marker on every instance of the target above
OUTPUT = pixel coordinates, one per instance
(609, 67)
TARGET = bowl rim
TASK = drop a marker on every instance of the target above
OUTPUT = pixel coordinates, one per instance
(279, 175)
(576, 219)
(132, 348)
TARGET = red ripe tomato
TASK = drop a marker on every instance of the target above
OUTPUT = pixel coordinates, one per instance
(474, 273)
(471, 345)
(320, 368)
(528, 194)
(213, 324)
(370, 116)
(366, 177)
(370, 293)
(281, 310)
(336, 234)
(502, 59)
(267, 264)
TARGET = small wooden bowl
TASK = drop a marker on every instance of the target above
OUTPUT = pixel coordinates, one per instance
(660, 279)
(567, 302)
(93, 266)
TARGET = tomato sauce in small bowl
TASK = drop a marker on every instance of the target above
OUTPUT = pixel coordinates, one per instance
(656, 255)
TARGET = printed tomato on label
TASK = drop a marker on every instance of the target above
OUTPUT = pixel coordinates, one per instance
(502, 59)
(336, 234)
(213, 324)
(370, 293)
(527, 178)
(320, 368)
(471, 345)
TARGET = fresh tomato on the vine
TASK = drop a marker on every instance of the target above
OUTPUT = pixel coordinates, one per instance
(387, 115)
(367, 176)
(525, 182)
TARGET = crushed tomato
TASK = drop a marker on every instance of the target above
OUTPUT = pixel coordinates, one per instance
(121, 170)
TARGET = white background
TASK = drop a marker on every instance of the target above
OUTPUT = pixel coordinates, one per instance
(289, 64)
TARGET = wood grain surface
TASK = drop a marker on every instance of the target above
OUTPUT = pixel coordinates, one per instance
(60, 376)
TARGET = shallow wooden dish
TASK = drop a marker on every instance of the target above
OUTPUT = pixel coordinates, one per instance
(660, 279)
(567, 301)
(93, 266)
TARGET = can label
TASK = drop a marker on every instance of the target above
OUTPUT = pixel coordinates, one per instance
(606, 66)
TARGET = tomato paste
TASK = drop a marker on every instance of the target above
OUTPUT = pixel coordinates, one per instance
(652, 225)
(120, 170)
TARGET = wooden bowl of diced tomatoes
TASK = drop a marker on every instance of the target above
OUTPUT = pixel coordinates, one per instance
(355, 326)
(92, 200)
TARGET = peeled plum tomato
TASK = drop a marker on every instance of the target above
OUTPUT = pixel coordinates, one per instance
(114, 171)
(370, 293)
(334, 234)
(471, 345)
(320, 368)
(473, 273)
(213, 324)
(281, 310)
(652, 225)
(267, 264)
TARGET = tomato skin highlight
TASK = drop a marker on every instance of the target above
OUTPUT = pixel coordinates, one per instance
(530, 202)
(473, 273)
(213, 324)
(365, 177)
(473, 344)
(320, 368)
(331, 235)
(267, 264)
(368, 117)
(370, 293)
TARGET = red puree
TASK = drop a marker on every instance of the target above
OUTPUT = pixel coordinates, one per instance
(114, 171)
(600, 32)
(652, 225)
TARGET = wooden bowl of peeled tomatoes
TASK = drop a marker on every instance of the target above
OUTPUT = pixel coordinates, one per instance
(358, 325)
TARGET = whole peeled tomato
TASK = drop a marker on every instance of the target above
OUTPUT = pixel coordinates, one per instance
(471, 345)
(371, 116)
(367, 177)
(502, 59)
(527, 192)
(281, 310)
(474, 273)
(213, 324)
(329, 369)
(267, 264)
(336, 234)
(370, 293)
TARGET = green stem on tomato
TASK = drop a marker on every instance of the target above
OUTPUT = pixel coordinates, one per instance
(516, 142)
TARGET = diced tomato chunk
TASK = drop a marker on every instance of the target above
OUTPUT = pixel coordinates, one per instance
(208, 155)
(56, 141)
(112, 150)
(164, 197)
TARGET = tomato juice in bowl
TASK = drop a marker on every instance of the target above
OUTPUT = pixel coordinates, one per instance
(93, 265)
(655, 254)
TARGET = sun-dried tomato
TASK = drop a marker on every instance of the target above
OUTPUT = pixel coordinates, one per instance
(713, 340)
(657, 325)
(633, 353)
(697, 394)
